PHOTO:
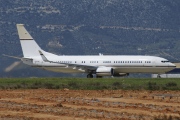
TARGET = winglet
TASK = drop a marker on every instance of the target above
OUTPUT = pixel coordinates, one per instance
(43, 57)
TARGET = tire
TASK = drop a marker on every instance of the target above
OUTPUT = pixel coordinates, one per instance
(89, 76)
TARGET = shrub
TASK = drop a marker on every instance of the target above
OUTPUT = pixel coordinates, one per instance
(171, 84)
(48, 85)
(153, 86)
(117, 84)
(37, 83)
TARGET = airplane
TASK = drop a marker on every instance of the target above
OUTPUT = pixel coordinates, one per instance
(99, 65)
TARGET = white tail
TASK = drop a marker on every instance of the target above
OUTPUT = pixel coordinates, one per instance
(29, 46)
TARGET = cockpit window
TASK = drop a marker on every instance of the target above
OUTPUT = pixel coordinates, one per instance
(165, 61)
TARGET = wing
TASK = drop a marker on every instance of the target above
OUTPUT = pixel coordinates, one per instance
(88, 68)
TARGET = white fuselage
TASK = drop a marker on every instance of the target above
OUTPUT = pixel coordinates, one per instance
(120, 64)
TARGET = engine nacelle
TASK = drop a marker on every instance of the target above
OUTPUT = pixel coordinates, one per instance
(120, 74)
(104, 71)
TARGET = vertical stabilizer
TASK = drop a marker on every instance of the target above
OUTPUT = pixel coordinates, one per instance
(29, 46)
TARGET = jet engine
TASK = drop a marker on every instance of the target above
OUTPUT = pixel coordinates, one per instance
(104, 71)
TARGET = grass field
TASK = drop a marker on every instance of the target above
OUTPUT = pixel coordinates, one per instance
(91, 84)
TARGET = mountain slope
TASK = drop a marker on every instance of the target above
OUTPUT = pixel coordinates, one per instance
(72, 27)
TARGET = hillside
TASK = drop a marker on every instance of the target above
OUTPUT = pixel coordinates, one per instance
(80, 27)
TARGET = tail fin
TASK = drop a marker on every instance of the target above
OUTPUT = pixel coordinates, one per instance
(29, 46)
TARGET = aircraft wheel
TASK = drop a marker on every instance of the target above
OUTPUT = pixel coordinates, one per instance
(89, 76)
(158, 76)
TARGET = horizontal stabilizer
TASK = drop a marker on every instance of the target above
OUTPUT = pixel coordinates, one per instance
(12, 56)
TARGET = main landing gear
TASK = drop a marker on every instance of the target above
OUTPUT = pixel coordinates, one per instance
(158, 76)
(89, 76)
